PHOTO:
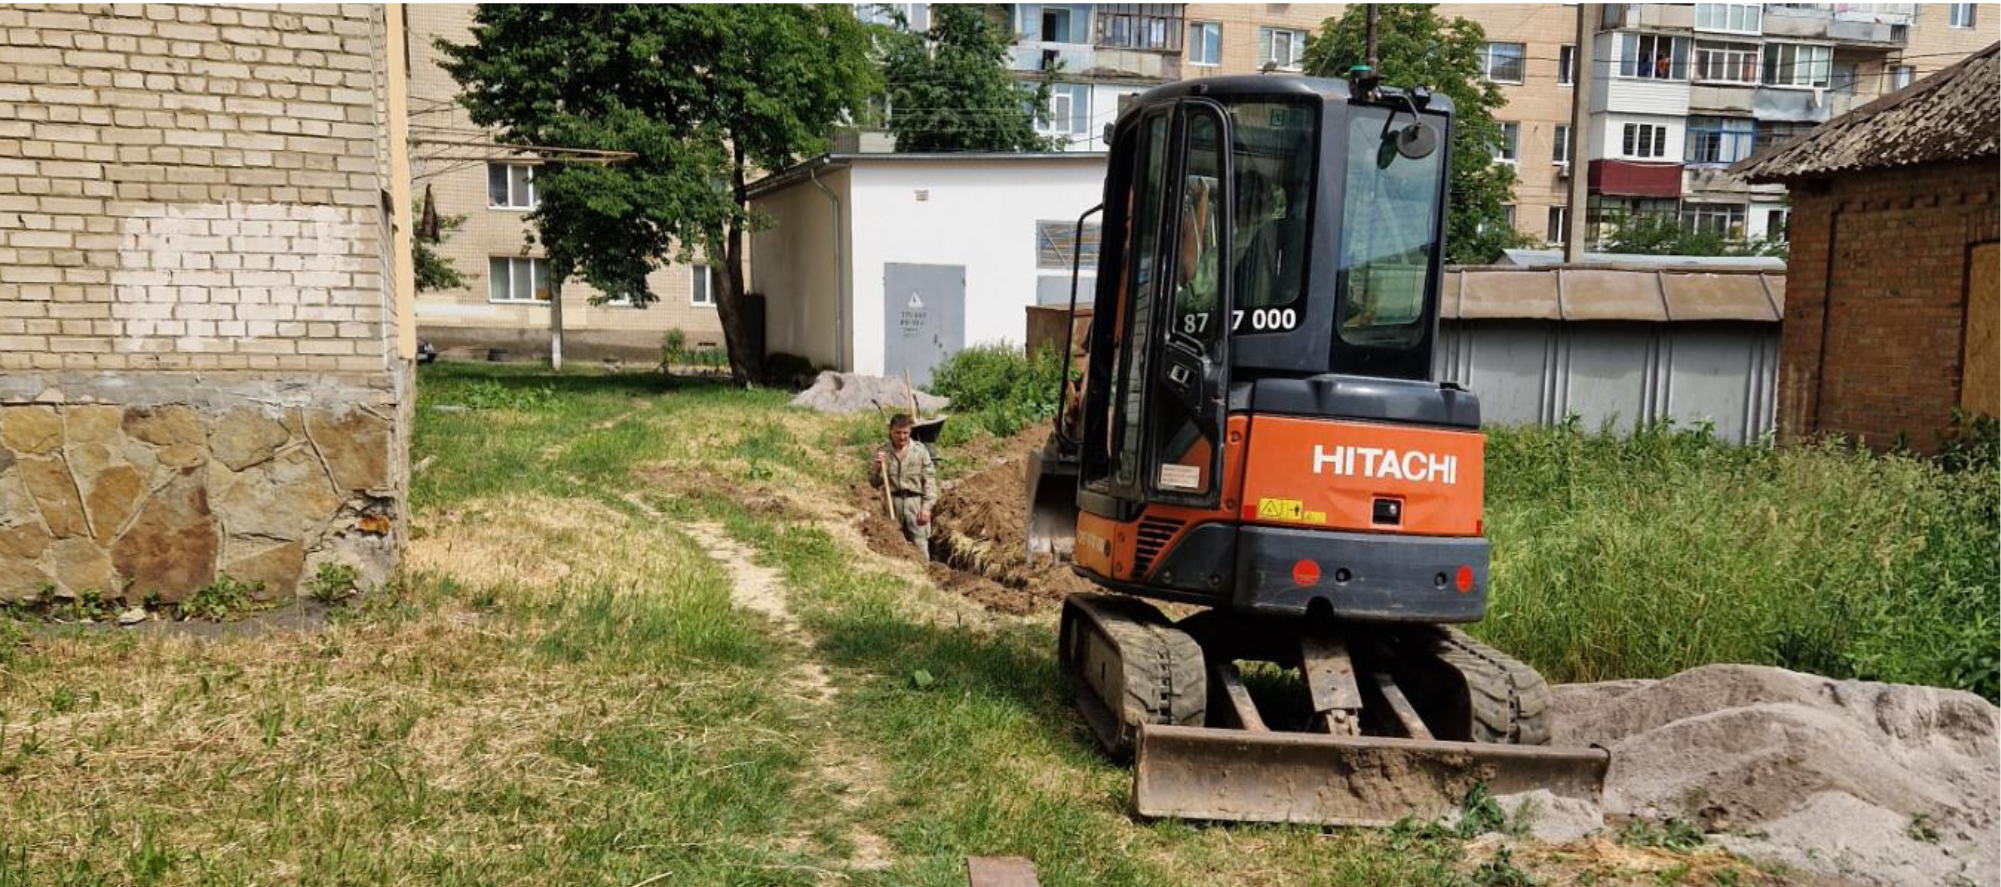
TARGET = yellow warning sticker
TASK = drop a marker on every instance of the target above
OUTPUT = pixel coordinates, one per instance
(1289, 510)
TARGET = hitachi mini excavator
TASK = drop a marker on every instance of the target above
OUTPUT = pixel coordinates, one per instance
(1256, 433)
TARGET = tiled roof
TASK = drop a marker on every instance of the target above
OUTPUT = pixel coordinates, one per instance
(1954, 114)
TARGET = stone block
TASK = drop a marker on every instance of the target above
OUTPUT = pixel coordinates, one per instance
(114, 495)
(31, 430)
(277, 567)
(79, 565)
(165, 426)
(355, 446)
(24, 542)
(92, 423)
(287, 497)
(171, 546)
(54, 492)
(245, 437)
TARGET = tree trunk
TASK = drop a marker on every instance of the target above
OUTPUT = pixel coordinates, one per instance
(742, 342)
(556, 324)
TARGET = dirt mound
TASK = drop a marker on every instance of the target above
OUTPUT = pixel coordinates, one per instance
(1881, 783)
(979, 533)
(834, 392)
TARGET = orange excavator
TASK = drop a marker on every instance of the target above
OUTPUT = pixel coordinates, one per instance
(1256, 438)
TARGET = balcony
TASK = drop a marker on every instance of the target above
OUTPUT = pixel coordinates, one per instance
(1884, 25)
(1792, 105)
(1635, 178)
(1037, 55)
(1734, 98)
(1716, 181)
(1649, 16)
(1627, 95)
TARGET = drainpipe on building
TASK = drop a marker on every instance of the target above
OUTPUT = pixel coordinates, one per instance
(840, 276)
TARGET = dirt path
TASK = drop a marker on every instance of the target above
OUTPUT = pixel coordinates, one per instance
(849, 774)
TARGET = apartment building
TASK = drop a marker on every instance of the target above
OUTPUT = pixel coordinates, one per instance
(505, 300)
(1679, 92)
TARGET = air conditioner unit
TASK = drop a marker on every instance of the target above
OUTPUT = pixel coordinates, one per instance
(1563, 170)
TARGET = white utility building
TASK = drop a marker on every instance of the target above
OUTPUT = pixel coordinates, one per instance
(881, 263)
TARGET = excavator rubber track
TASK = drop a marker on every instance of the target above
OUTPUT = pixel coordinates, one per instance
(1202, 750)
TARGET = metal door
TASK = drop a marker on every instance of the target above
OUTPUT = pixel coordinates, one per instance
(924, 317)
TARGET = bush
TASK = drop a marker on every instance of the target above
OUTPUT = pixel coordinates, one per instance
(998, 389)
(673, 347)
(1643, 555)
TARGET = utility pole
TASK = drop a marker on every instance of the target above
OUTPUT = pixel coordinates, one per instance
(555, 324)
(1580, 120)
(1370, 41)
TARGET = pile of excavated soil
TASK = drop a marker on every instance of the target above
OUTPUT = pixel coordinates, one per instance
(979, 532)
(834, 392)
(1875, 783)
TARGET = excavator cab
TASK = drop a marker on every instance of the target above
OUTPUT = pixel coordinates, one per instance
(1258, 433)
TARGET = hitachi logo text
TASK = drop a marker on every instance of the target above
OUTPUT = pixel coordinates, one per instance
(1380, 463)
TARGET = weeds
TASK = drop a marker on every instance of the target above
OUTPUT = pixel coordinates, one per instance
(220, 600)
(1647, 554)
(1500, 871)
(1674, 834)
(333, 582)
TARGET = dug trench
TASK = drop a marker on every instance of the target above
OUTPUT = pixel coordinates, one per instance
(1844, 781)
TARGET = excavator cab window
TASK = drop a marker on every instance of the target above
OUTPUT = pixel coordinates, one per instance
(1164, 316)
(1386, 263)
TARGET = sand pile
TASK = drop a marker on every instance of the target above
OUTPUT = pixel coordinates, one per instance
(834, 392)
(1879, 783)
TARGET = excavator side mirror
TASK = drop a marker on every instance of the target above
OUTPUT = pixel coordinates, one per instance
(1417, 140)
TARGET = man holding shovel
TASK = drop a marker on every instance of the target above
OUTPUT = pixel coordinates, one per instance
(904, 470)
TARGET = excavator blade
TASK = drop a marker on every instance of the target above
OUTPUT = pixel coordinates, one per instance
(1253, 776)
(1052, 503)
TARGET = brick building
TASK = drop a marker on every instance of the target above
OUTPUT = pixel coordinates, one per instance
(1891, 294)
(204, 365)
(505, 302)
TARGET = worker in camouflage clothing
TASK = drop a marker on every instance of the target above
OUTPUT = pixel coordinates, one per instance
(913, 482)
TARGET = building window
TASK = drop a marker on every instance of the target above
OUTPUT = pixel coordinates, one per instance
(1644, 141)
(1559, 152)
(1726, 62)
(1056, 25)
(1069, 110)
(1508, 215)
(1901, 76)
(1797, 64)
(1721, 219)
(517, 279)
(1778, 224)
(1503, 62)
(1154, 26)
(1653, 56)
(1741, 18)
(1566, 65)
(1558, 215)
(510, 186)
(1282, 47)
(1719, 140)
(1961, 15)
(1205, 43)
(700, 291)
(1509, 147)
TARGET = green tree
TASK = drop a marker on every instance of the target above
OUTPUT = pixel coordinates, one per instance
(1654, 234)
(950, 90)
(1416, 47)
(701, 96)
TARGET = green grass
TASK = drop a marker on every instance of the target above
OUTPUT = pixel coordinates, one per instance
(1644, 555)
(559, 689)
